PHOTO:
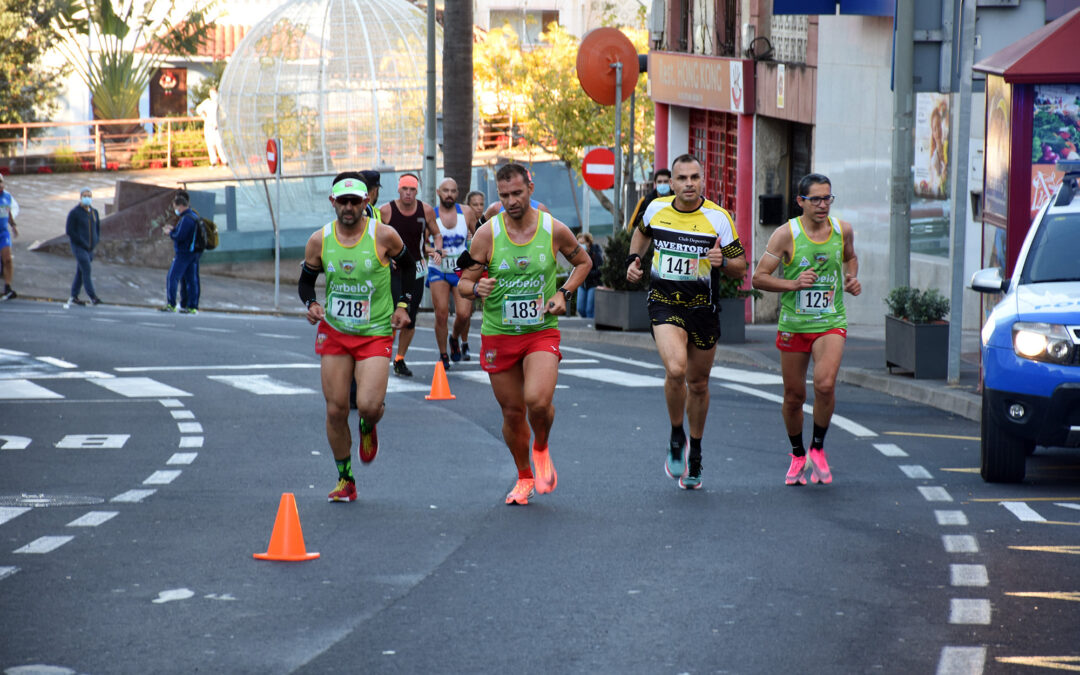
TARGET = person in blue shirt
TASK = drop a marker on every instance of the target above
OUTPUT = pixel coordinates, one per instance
(9, 209)
(84, 230)
(187, 249)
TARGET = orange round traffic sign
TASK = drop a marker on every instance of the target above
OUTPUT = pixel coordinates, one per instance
(599, 50)
(598, 169)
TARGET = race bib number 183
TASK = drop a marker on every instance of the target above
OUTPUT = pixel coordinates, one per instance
(523, 310)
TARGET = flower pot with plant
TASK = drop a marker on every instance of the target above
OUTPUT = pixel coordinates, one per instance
(619, 303)
(916, 333)
(733, 309)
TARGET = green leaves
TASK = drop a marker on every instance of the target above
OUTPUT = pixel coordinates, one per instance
(916, 306)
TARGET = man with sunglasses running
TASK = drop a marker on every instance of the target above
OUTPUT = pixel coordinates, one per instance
(363, 303)
(816, 254)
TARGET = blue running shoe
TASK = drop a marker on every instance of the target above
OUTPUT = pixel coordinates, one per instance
(692, 479)
(675, 464)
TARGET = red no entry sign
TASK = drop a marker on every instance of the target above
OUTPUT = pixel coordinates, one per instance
(272, 156)
(598, 169)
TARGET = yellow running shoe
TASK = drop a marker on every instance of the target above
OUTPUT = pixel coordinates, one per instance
(544, 470)
(523, 489)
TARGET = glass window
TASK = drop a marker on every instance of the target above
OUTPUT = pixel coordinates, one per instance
(1053, 254)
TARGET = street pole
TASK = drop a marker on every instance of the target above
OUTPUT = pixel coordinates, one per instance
(631, 185)
(429, 118)
(903, 146)
(618, 144)
(961, 190)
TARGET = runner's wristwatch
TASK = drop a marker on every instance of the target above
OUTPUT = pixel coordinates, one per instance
(566, 293)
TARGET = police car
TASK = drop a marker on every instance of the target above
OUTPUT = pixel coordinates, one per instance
(1031, 341)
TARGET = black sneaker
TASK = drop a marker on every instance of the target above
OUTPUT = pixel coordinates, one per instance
(76, 301)
(95, 301)
(692, 479)
(9, 294)
(465, 352)
(455, 350)
(445, 361)
(400, 369)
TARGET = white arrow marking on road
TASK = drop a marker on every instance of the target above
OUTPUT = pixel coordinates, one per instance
(1024, 512)
(263, 385)
(93, 518)
(14, 442)
(44, 544)
(853, 428)
(9, 512)
(13, 389)
(139, 387)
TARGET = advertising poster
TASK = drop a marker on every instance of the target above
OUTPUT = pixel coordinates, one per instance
(932, 145)
(1055, 134)
(998, 126)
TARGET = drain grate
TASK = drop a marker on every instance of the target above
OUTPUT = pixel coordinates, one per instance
(37, 500)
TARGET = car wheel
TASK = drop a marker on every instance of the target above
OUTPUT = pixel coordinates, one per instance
(1004, 456)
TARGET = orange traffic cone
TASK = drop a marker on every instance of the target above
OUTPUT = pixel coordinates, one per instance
(440, 388)
(287, 539)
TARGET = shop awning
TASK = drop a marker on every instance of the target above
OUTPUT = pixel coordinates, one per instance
(1047, 56)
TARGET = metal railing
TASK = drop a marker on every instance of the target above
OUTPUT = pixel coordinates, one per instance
(159, 142)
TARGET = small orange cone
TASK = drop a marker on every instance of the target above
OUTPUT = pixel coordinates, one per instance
(287, 539)
(440, 388)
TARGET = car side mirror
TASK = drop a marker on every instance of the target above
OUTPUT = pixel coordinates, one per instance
(989, 281)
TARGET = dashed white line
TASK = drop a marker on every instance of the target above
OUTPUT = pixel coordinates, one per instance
(25, 389)
(890, 450)
(189, 427)
(207, 329)
(960, 543)
(93, 518)
(132, 496)
(935, 494)
(853, 428)
(968, 575)
(915, 471)
(171, 403)
(138, 387)
(162, 477)
(261, 384)
(951, 517)
(9, 512)
(1024, 512)
(182, 458)
(182, 414)
(1067, 505)
(53, 361)
(45, 544)
(969, 612)
(191, 441)
(7, 571)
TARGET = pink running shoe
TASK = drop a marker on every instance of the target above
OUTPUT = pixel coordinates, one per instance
(796, 473)
(544, 470)
(820, 472)
(523, 489)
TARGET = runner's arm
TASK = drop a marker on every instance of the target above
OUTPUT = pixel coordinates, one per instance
(778, 248)
(309, 273)
(474, 261)
(851, 261)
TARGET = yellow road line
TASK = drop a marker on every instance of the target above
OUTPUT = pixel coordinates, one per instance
(1071, 550)
(914, 433)
(1027, 499)
(973, 469)
(1070, 596)
(1051, 662)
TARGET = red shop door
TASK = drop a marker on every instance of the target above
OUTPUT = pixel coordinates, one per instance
(714, 140)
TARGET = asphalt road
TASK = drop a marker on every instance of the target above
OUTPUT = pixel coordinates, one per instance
(143, 457)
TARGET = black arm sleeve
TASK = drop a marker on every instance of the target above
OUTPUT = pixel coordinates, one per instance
(403, 264)
(306, 284)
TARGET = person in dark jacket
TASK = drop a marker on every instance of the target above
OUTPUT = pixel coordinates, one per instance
(84, 231)
(661, 188)
(187, 249)
(586, 292)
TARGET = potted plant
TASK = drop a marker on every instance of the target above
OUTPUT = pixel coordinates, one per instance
(619, 303)
(733, 309)
(916, 333)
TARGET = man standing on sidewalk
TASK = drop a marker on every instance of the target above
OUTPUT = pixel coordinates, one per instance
(186, 253)
(364, 303)
(415, 222)
(9, 209)
(695, 242)
(519, 336)
(84, 230)
(819, 265)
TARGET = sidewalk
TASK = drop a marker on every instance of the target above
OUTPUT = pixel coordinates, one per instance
(45, 201)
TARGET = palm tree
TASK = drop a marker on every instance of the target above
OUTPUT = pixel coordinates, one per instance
(457, 98)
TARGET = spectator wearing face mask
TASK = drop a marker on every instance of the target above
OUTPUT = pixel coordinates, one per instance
(661, 188)
(84, 231)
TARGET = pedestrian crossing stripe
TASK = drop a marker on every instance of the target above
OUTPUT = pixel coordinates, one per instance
(139, 387)
(25, 389)
(264, 385)
(9, 512)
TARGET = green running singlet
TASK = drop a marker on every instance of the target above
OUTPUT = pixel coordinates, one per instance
(525, 276)
(358, 297)
(819, 308)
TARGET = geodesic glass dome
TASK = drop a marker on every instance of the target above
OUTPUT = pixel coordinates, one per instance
(342, 83)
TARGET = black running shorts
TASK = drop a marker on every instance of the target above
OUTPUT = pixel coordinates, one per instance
(702, 324)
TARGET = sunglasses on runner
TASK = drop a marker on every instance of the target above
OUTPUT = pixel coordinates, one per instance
(817, 201)
(349, 201)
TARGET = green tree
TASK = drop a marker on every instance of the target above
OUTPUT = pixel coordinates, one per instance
(540, 87)
(28, 88)
(201, 91)
(128, 42)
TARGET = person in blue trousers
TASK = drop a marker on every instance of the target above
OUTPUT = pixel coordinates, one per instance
(84, 230)
(186, 253)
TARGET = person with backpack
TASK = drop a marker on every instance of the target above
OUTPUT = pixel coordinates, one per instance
(188, 245)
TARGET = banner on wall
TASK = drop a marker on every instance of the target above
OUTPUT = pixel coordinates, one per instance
(998, 127)
(1055, 134)
(932, 146)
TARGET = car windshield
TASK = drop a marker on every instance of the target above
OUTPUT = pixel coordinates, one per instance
(1055, 251)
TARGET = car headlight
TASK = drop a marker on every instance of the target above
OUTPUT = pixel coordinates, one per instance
(1042, 342)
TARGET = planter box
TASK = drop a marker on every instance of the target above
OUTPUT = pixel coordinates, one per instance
(624, 310)
(920, 348)
(732, 320)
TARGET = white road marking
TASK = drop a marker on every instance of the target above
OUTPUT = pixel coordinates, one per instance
(853, 428)
(175, 594)
(969, 612)
(280, 337)
(45, 544)
(162, 477)
(7, 571)
(14, 389)
(132, 496)
(890, 450)
(93, 441)
(182, 414)
(207, 329)
(263, 385)
(608, 357)
(960, 543)
(951, 517)
(915, 471)
(1061, 504)
(14, 442)
(935, 494)
(612, 376)
(33, 374)
(172, 403)
(12, 352)
(93, 518)
(191, 441)
(1023, 512)
(248, 366)
(53, 361)
(745, 376)
(968, 575)
(138, 387)
(182, 458)
(189, 427)
(397, 385)
(9, 512)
